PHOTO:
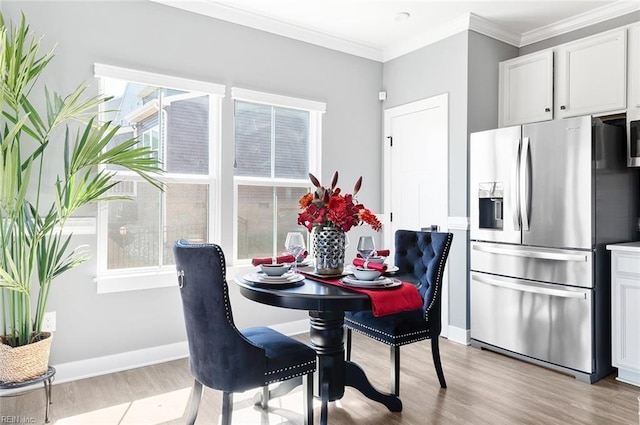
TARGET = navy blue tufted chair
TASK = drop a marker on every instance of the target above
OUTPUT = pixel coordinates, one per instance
(221, 356)
(421, 258)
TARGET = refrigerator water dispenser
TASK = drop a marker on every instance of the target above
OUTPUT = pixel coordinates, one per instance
(490, 197)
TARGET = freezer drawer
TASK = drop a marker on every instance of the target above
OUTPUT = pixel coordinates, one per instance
(563, 266)
(551, 323)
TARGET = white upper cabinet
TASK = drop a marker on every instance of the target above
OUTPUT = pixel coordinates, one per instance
(584, 77)
(633, 102)
(591, 75)
(526, 89)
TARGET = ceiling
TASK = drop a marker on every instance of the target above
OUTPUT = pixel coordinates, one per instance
(375, 29)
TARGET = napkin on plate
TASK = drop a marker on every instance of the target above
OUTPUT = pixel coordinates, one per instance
(359, 262)
(278, 260)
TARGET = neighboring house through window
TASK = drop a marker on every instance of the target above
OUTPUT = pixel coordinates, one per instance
(277, 145)
(180, 120)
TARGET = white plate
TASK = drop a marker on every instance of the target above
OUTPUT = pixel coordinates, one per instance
(260, 277)
(371, 284)
(265, 276)
(379, 283)
(390, 269)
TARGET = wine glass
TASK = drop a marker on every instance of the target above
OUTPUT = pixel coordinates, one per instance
(294, 244)
(366, 247)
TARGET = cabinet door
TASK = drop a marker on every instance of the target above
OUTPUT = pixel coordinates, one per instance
(526, 89)
(634, 68)
(625, 317)
(592, 75)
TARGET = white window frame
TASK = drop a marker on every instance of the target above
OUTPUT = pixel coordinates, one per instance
(109, 281)
(316, 110)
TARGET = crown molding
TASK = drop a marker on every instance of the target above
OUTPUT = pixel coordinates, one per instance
(469, 21)
(493, 30)
(253, 20)
(429, 37)
(577, 22)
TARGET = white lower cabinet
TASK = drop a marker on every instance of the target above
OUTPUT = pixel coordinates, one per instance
(625, 310)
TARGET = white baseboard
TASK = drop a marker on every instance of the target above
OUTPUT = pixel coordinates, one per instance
(71, 371)
(459, 335)
(96, 366)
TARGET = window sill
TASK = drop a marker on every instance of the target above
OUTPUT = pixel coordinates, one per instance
(124, 282)
(164, 278)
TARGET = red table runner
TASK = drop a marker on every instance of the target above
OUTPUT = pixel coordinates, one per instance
(383, 301)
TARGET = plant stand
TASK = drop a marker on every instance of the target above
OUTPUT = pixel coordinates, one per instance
(46, 378)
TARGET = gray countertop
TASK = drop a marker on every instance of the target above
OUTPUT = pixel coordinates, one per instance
(628, 246)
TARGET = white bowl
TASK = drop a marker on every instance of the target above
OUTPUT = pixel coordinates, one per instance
(274, 269)
(377, 259)
(365, 274)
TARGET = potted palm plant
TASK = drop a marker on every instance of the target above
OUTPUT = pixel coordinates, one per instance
(34, 208)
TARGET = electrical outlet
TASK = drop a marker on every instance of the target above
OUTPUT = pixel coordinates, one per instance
(49, 322)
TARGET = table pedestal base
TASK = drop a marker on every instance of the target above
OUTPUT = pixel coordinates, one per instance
(333, 372)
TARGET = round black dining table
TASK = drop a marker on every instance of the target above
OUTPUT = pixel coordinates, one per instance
(326, 305)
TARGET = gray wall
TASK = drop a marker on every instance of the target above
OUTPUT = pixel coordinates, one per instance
(464, 65)
(435, 69)
(485, 53)
(432, 70)
(156, 38)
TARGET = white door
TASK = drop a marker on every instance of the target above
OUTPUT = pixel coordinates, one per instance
(416, 180)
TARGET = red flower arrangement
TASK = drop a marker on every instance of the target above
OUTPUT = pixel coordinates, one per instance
(329, 207)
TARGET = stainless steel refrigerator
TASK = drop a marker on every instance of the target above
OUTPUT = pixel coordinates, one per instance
(545, 199)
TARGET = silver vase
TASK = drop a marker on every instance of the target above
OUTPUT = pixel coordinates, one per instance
(328, 250)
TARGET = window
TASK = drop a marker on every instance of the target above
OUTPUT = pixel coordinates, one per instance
(277, 141)
(179, 119)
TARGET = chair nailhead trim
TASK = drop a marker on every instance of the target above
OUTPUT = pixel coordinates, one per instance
(420, 338)
(289, 377)
(227, 304)
(308, 369)
(441, 264)
(298, 366)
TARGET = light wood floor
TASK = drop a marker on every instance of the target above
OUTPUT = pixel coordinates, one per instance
(483, 388)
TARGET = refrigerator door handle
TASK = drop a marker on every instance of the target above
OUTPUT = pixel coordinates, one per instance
(532, 254)
(515, 193)
(530, 288)
(523, 184)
